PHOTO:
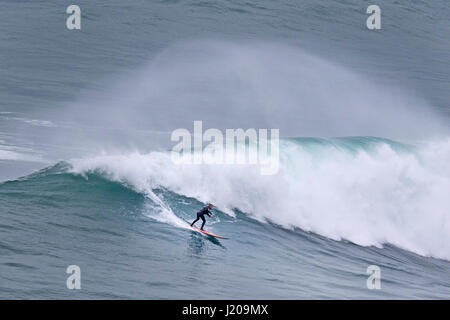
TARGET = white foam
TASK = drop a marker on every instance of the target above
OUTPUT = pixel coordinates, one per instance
(34, 122)
(12, 153)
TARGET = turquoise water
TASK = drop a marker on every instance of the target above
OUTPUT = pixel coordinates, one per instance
(87, 179)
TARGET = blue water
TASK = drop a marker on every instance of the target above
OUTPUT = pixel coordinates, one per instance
(87, 179)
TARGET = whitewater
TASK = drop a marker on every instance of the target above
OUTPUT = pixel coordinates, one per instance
(365, 190)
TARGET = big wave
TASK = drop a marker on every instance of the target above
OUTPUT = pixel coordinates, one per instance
(369, 191)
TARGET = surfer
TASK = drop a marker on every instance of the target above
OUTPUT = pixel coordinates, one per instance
(201, 213)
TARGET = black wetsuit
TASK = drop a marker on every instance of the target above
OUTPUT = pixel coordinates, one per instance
(200, 215)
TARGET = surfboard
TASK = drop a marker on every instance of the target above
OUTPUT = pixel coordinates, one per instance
(208, 233)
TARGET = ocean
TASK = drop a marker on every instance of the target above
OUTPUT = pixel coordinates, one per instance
(87, 177)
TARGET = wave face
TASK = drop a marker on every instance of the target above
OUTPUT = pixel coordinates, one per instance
(369, 191)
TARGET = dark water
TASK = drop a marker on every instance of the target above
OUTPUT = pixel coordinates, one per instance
(85, 123)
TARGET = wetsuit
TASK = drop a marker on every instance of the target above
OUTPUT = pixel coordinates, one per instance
(200, 215)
